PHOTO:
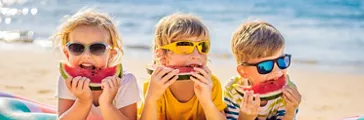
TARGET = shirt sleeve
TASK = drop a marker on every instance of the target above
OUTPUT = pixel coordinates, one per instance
(62, 90)
(217, 94)
(128, 92)
(282, 111)
(233, 107)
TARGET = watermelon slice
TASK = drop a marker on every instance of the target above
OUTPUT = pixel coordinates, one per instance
(96, 75)
(184, 71)
(267, 90)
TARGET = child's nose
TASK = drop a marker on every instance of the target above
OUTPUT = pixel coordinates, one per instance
(195, 51)
(86, 54)
(276, 70)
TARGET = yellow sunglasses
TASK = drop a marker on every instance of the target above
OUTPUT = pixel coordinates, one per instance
(187, 47)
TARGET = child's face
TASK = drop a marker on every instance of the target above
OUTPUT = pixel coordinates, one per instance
(255, 77)
(194, 58)
(89, 35)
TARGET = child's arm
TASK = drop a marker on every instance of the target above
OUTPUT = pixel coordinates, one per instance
(111, 86)
(161, 79)
(110, 112)
(76, 109)
(249, 108)
(292, 98)
(73, 110)
(203, 90)
(149, 110)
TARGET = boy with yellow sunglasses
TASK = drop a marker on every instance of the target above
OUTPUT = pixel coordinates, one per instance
(182, 41)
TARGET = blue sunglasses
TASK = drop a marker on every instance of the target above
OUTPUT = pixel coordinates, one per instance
(266, 66)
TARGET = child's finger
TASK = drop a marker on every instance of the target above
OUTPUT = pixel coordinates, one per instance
(169, 76)
(287, 98)
(111, 83)
(157, 70)
(75, 82)
(68, 82)
(200, 70)
(208, 71)
(105, 84)
(245, 99)
(250, 97)
(196, 81)
(257, 100)
(163, 72)
(170, 82)
(114, 81)
(200, 77)
(118, 80)
(86, 84)
(80, 83)
(289, 93)
(296, 94)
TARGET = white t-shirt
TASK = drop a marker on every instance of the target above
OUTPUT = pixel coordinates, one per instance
(128, 93)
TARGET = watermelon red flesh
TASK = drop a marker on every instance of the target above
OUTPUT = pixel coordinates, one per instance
(266, 90)
(268, 86)
(95, 75)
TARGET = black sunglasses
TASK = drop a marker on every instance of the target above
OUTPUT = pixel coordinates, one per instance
(266, 66)
(95, 48)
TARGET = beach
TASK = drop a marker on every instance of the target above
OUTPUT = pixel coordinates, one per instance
(326, 95)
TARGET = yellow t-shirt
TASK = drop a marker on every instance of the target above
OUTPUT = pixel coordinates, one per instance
(169, 108)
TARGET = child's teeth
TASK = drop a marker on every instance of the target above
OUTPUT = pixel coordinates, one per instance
(87, 65)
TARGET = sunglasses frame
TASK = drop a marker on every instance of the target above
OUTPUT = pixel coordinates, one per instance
(87, 47)
(275, 61)
(172, 46)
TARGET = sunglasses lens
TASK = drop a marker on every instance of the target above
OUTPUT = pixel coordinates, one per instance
(204, 47)
(97, 49)
(184, 47)
(76, 48)
(265, 67)
(284, 62)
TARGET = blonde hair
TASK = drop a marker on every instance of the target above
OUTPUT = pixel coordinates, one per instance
(256, 39)
(89, 17)
(178, 26)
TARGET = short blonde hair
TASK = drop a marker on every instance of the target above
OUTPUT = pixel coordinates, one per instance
(89, 17)
(178, 26)
(256, 39)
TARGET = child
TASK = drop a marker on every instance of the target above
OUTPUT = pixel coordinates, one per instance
(90, 40)
(181, 40)
(258, 48)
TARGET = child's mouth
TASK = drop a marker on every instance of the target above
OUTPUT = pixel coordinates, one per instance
(281, 77)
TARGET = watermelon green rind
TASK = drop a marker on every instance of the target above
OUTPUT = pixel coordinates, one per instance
(63, 73)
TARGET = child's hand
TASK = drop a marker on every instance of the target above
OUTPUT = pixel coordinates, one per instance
(249, 108)
(203, 84)
(292, 98)
(110, 87)
(79, 86)
(161, 79)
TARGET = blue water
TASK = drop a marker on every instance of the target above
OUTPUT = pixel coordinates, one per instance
(325, 32)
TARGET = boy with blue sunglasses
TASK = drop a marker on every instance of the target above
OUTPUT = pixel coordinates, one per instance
(262, 91)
